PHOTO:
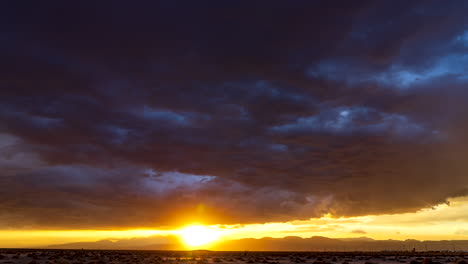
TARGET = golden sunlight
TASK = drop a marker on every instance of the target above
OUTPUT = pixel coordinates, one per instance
(443, 222)
(199, 235)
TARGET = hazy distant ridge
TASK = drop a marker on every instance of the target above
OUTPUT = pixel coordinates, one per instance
(290, 243)
(318, 243)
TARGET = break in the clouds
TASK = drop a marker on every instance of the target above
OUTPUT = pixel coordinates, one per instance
(161, 112)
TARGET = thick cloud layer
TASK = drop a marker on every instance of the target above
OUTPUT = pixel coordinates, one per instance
(158, 113)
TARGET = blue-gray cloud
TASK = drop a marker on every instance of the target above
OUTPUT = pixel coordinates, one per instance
(157, 112)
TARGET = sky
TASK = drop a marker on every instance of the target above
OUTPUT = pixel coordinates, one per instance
(334, 118)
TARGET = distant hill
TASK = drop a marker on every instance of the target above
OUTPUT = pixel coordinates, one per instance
(149, 243)
(290, 243)
(357, 239)
(318, 243)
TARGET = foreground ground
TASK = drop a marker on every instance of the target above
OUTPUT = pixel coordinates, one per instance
(35, 256)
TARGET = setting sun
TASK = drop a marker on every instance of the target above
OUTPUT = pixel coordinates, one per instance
(199, 235)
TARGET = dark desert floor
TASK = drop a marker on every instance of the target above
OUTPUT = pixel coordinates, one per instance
(37, 256)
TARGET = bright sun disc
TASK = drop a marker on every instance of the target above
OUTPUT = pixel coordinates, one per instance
(198, 235)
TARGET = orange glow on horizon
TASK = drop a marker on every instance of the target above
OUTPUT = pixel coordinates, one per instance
(198, 235)
(443, 222)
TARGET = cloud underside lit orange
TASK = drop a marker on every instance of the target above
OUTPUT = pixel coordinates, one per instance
(437, 223)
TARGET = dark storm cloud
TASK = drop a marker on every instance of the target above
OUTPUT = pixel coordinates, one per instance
(118, 114)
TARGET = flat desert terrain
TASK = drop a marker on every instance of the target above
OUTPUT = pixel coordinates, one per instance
(43, 256)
